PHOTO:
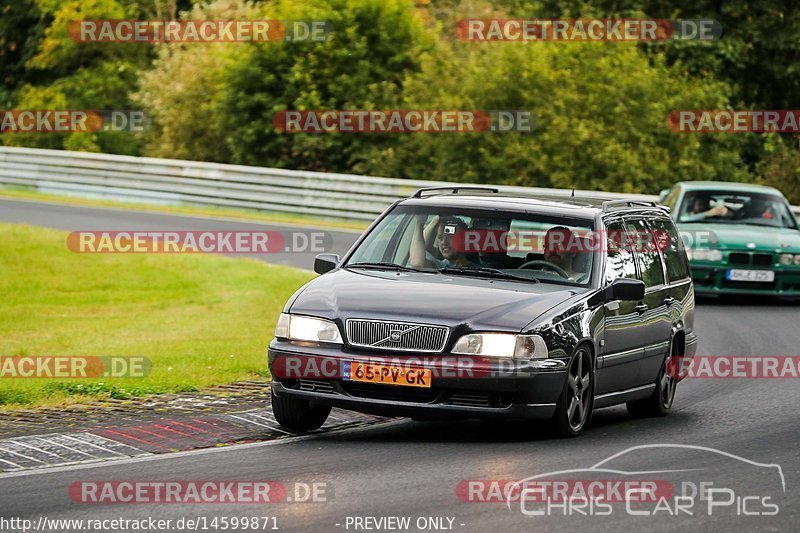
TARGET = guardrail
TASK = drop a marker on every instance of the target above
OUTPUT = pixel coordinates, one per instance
(175, 182)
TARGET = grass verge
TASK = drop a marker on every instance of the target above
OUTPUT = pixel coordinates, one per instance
(200, 319)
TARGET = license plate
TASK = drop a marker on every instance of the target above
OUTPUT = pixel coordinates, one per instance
(387, 374)
(763, 276)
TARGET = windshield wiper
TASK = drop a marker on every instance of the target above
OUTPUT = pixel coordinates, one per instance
(483, 272)
(384, 266)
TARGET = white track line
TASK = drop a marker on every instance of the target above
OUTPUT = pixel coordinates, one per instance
(176, 455)
(94, 445)
(22, 455)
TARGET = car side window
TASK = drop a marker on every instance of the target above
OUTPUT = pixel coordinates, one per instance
(646, 253)
(672, 198)
(619, 261)
(669, 242)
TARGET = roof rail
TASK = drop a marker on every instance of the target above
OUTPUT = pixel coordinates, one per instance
(454, 190)
(608, 205)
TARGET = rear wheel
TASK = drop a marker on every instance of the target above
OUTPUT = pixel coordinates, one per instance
(297, 414)
(574, 406)
(660, 402)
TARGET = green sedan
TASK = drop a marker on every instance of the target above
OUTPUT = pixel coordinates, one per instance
(740, 238)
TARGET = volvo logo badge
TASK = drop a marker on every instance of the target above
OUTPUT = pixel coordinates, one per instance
(394, 335)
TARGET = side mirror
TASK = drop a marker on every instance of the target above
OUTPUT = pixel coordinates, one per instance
(625, 289)
(663, 194)
(325, 263)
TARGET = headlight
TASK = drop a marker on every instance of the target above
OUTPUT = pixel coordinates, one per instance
(306, 328)
(797, 259)
(502, 345)
(786, 259)
(702, 254)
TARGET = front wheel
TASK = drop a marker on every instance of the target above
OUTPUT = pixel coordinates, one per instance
(574, 406)
(297, 414)
(660, 402)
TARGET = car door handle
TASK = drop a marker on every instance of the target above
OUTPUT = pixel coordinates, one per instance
(669, 300)
(641, 308)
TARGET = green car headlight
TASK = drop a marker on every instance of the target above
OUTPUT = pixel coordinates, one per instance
(788, 259)
(704, 254)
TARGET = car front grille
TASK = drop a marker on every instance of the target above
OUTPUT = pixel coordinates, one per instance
(402, 336)
(747, 258)
(739, 259)
(315, 385)
(762, 259)
(390, 392)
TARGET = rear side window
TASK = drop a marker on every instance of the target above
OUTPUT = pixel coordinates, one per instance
(646, 253)
(669, 242)
(619, 262)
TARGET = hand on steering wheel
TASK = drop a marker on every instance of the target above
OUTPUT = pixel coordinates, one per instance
(546, 265)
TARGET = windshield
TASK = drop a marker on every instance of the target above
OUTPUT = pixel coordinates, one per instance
(521, 247)
(736, 208)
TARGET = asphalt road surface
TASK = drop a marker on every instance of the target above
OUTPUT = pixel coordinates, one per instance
(305, 243)
(729, 432)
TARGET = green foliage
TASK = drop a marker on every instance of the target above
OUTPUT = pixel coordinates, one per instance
(183, 92)
(600, 108)
(600, 120)
(65, 74)
(781, 169)
(21, 29)
(375, 44)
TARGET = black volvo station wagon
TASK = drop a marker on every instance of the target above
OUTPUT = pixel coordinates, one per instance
(466, 302)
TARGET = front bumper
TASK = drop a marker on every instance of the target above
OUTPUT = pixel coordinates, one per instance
(491, 390)
(710, 280)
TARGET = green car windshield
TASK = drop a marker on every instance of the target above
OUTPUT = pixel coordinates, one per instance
(736, 208)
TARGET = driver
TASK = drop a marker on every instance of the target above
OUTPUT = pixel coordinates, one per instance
(701, 209)
(445, 235)
(560, 249)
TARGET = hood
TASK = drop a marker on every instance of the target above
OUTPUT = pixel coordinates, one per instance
(477, 303)
(739, 236)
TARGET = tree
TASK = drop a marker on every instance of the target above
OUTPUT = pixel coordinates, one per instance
(184, 90)
(600, 113)
(781, 167)
(362, 65)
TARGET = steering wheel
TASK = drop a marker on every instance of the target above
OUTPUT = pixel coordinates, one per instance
(547, 265)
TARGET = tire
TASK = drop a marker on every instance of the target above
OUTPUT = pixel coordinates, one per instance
(660, 402)
(298, 415)
(574, 406)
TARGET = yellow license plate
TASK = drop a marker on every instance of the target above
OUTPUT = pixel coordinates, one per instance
(390, 375)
